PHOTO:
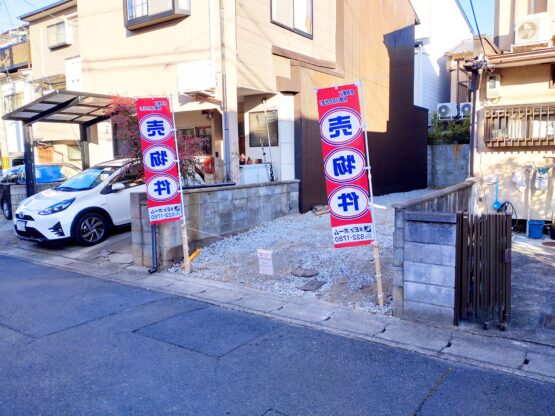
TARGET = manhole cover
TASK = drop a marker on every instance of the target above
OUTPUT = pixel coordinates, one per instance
(549, 321)
(549, 243)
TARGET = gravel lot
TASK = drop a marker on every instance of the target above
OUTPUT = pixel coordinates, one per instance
(304, 240)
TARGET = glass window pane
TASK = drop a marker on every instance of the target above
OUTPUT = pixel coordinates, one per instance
(259, 124)
(159, 6)
(184, 5)
(282, 12)
(303, 15)
(137, 8)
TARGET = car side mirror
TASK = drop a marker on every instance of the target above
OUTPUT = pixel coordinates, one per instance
(118, 186)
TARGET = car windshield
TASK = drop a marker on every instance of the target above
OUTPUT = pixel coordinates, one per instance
(54, 173)
(88, 179)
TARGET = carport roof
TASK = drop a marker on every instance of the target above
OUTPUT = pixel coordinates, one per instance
(63, 106)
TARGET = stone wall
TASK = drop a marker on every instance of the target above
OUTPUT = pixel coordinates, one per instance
(423, 258)
(429, 266)
(447, 164)
(211, 213)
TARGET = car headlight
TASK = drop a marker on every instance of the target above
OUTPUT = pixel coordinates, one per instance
(57, 207)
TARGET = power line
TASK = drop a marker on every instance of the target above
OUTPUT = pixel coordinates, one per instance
(477, 27)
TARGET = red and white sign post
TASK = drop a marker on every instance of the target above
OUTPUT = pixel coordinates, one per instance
(161, 163)
(347, 170)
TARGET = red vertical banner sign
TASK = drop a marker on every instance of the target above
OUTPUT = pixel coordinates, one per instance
(159, 159)
(345, 165)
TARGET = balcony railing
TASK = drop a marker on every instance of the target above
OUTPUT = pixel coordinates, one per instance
(520, 126)
(15, 57)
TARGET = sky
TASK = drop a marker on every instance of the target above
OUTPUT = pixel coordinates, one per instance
(485, 11)
(10, 9)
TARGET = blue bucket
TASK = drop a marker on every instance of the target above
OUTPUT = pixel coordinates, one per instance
(535, 229)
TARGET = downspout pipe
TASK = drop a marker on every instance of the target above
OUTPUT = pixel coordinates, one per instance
(225, 118)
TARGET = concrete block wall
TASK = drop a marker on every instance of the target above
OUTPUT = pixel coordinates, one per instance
(211, 213)
(447, 164)
(427, 252)
(429, 266)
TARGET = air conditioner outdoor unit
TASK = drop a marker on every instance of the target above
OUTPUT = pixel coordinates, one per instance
(196, 78)
(465, 110)
(533, 28)
(446, 111)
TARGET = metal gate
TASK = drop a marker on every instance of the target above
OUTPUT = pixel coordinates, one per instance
(483, 268)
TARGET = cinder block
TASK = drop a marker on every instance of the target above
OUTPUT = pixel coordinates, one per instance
(398, 256)
(433, 233)
(399, 238)
(399, 218)
(430, 253)
(225, 196)
(430, 313)
(239, 204)
(430, 274)
(398, 276)
(433, 295)
(398, 301)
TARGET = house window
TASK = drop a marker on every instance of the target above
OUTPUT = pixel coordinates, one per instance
(259, 125)
(142, 13)
(12, 102)
(295, 15)
(197, 140)
(520, 126)
(59, 34)
(537, 6)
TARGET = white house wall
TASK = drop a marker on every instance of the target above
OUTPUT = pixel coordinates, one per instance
(442, 27)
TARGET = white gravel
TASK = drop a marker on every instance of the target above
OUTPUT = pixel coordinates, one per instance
(305, 240)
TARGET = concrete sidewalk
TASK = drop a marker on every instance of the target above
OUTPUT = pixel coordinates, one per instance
(484, 349)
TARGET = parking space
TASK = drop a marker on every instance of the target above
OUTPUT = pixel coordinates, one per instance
(115, 249)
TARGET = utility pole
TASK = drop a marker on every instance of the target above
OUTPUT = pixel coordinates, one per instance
(475, 67)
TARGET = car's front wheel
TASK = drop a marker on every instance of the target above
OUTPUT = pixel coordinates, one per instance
(6, 210)
(90, 229)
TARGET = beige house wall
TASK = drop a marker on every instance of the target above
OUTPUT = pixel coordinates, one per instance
(46, 61)
(519, 85)
(257, 67)
(143, 62)
(506, 13)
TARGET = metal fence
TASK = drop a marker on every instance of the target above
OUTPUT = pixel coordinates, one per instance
(483, 269)
(520, 126)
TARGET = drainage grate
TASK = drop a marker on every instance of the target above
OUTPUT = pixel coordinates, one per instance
(549, 321)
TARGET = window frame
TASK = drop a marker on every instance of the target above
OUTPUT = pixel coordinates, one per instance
(252, 143)
(68, 35)
(532, 6)
(148, 20)
(536, 120)
(293, 28)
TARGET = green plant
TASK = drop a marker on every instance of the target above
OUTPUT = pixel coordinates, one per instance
(449, 131)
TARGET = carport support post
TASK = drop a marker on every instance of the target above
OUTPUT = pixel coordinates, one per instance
(84, 145)
(29, 157)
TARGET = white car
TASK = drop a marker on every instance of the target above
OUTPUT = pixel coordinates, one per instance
(85, 207)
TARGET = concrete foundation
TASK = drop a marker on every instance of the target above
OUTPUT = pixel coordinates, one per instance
(211, 213)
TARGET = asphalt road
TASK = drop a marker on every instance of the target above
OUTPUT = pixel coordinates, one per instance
(76, 345)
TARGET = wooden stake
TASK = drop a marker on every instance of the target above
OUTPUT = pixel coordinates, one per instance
(186, 266)
(378, 273)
